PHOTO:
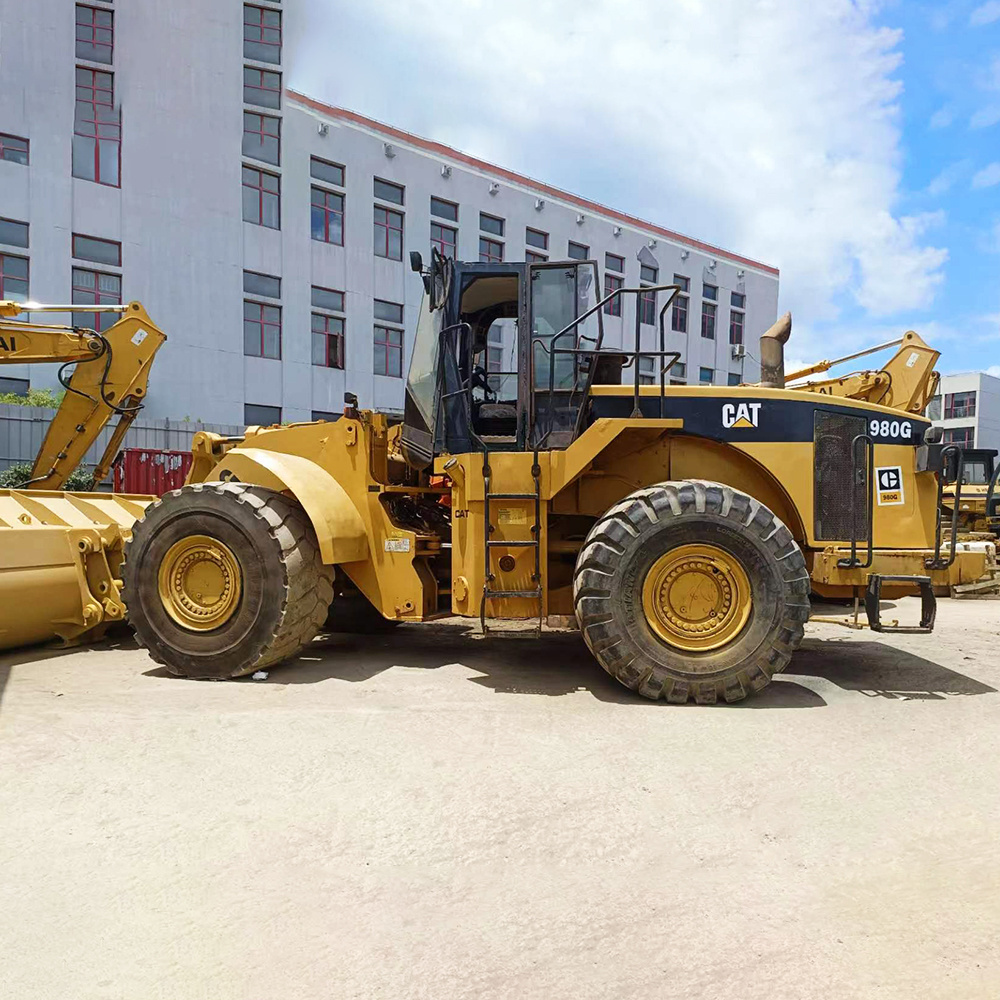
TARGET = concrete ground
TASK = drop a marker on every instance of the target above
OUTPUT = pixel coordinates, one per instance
(428, 815)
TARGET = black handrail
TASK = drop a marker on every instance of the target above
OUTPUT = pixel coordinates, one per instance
(990, 497)
(936, 562)
(548, 345)
(854, 562)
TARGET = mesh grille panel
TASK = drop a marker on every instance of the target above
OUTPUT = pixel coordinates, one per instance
(833, 434)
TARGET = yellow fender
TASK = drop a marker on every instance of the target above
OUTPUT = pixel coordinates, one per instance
(339, 527)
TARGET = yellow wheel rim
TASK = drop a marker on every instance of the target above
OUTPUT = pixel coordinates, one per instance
(697, 597)
(200, 583)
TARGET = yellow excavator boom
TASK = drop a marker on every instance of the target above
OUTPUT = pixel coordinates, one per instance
(110, 378)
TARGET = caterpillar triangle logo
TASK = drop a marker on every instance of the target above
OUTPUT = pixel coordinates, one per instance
(737, 415)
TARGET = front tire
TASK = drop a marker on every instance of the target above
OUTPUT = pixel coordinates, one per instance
(223, 579)
(691, 590)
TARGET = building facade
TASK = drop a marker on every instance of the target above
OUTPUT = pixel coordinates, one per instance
(967, 408)
(268, 233)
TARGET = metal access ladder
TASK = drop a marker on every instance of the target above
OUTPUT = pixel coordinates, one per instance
(490, 544)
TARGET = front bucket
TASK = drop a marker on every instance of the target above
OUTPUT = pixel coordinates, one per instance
(60, 561)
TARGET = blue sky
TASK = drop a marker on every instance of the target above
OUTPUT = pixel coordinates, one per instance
(853, 143)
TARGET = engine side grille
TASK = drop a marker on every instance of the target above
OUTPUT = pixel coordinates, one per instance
(834, 473)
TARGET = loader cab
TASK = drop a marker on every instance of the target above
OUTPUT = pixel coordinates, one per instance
(494, 364)
(977, 466)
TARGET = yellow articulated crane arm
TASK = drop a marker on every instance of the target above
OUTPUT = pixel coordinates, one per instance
(907, 381)
(110, 377)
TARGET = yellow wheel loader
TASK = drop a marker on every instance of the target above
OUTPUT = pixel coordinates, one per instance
(970, 500)
(60, 553)
(683, 527)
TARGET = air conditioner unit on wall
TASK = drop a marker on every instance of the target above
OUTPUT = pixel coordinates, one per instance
(739, 351)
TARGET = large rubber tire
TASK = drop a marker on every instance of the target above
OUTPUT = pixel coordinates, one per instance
(286, 588)
(623, 545)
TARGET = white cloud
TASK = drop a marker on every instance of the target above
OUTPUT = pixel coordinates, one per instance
(989, 176)
(941, 118)
(946, 180)
(778, 137)
(985, 117)
(986, 13)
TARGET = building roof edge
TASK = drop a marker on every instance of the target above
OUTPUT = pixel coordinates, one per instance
(440, 149)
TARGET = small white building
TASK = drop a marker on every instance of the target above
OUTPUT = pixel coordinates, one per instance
(154, 151)
(967, 407)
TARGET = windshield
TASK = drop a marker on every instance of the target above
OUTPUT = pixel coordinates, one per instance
(421, 387)
(975, 472)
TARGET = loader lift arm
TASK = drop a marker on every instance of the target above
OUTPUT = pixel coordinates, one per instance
(907, 381)
(110, 377)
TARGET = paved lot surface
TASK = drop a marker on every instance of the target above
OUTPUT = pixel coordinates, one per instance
(427, 815)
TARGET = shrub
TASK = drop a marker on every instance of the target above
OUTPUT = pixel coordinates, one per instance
(14, 478)
(34, 397)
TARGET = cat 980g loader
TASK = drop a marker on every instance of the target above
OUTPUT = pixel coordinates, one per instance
(683, 526)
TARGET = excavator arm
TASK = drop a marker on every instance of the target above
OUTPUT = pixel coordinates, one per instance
(110, 378)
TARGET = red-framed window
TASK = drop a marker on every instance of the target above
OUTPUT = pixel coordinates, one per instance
(95, 33)
(261, 198)
(964, 436)
(327, 172)
(388, 359)
(736, 323)
(327, 217)
(708, 310)
(327, 341)
(388, 351)
(536, 238)
(534, 258)
(445, 239)
(388, 233)
(261, 87)
(261, 33)
(97, 131)
(612, 262)
(490, 251)
(261, 330)
(578, 251)
(97, 251)
(13, 277)
(647, 300)
(262, 137)
(13, 149)
(959, 404)
(679, 313)
(611, 283)
(96, 288)
(444, 209)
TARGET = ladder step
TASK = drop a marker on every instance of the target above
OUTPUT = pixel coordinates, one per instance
(537, 592)
(511, 496)
(500, 544)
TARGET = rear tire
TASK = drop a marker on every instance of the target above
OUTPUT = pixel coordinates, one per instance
(284, 589)
(621, 555)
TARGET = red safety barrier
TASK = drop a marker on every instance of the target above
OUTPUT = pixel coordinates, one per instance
(149, 471)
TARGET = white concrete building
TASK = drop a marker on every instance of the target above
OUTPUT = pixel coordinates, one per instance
(967, 407)
(266, 232)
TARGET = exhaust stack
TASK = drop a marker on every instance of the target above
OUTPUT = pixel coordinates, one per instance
(772, 353)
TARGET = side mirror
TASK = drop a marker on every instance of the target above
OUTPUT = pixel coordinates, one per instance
(416, 262)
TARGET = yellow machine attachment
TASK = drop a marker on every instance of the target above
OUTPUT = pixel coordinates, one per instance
(60, 561)
(110, 378)
(907, 381)
(61, 553)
